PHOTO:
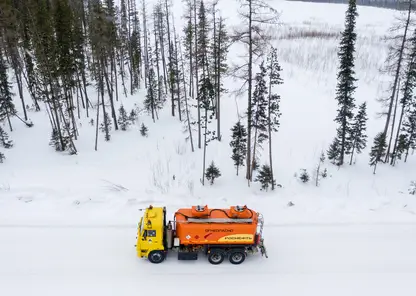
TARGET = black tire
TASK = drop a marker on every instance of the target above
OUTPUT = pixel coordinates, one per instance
(237, 257)
(216, 257)
(156, 256)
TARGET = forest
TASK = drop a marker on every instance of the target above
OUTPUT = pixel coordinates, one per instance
(55, 50)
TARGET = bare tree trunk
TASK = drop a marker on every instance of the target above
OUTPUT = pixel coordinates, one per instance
(397, 74)
(392, 125)
(97, 121)
(110, 94)
(196, 79)
(250, 75)
(186, 101)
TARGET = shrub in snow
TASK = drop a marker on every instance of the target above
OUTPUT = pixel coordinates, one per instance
(133, 116)
(265, 177)
(4, 139)
(304, 176)
(412, 189)
(2, 157)
(144, 130)
(212, 173)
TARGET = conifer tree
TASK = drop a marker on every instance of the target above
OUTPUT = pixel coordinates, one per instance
(378, 150)
(357, 139)
(333, 151)
(220, 51)
(7, 108)
(402, 144)
(265, 177)
(150, 103)
(212, 173)
(4, 139)
(304, 176)
(144, 130)
(238, 144)
(259, 120)
(273, 114)
(345, 86)
(206, 96)
(123, 118)
(202, 65)
(409, 129)
(318, 169)
(255, 32)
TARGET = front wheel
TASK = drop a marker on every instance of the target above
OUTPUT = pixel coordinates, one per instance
(156, 256)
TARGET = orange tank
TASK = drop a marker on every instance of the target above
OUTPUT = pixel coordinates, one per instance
(200, 225)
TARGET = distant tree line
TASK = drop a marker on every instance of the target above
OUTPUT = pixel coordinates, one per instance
(391, 4)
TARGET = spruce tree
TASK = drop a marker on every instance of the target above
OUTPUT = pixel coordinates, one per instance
(273, 108)
(212, 173)
(345, 86)
(7, 107)
(409, 129)
(238, 144)
(378, 150)
(304, 176)
(259, 20)
(265, 177)
(357, 139)
(123, 118)
(2, 157)
(402, 144)
(318, 169)
(220, 52)
(333, 151)
(4, 139)
(144, 130)
(259, 107)
(150, 103)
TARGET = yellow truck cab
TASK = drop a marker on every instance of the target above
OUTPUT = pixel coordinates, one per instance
(151, 236)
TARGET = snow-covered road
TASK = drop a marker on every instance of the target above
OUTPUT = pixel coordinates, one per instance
(303, 260)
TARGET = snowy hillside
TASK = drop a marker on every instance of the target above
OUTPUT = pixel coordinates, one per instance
(68, 222)
(131, 171)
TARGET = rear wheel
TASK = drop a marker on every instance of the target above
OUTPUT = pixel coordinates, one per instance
(156, 256)
(237, 257)
(216, 257)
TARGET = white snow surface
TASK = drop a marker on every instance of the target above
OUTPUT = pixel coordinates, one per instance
(67, 223)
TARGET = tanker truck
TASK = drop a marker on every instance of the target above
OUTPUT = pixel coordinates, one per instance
(216, 233)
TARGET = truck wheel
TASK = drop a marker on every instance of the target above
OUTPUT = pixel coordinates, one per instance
(156, 256)
(237, 257)
(216, 257)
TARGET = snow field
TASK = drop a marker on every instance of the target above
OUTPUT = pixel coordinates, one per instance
(37, 184)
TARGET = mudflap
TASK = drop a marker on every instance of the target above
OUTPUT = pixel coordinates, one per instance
(263, 249)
